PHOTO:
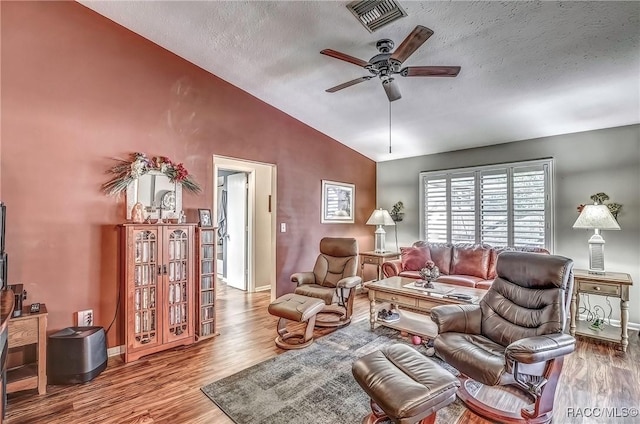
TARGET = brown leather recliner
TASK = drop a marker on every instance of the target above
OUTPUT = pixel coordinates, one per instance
(333, 280)
(514, 336)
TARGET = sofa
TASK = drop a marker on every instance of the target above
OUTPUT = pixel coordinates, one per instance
(462, 264)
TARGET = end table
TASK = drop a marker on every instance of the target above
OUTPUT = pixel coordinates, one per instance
(612, 284)
(377, 259)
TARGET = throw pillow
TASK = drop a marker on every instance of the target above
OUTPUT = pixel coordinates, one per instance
(414, 258)
(471, 260)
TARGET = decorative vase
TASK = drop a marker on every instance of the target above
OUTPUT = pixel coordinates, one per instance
(429, 274)
(397, 217)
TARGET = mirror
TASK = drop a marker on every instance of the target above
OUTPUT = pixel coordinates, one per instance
(156, 193)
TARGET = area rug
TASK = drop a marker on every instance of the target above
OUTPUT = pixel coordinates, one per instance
(312, 385)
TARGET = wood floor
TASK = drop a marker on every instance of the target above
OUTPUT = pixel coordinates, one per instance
(165, 387)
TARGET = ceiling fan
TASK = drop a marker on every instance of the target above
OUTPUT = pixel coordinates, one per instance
(387, 63)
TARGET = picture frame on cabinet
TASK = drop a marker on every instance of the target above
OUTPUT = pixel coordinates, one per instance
(205, 218)
(338, 200)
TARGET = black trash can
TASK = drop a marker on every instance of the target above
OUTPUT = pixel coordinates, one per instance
(76, 355)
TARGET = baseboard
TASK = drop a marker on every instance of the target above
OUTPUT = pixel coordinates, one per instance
(115, 351)
(263, 288)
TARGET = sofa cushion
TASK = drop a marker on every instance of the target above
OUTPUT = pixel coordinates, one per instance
(459, 280)
(414, 258)
(471, 259)
(441, 256)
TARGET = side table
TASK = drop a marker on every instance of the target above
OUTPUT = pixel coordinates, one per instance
(377, 259)
(612, 284)
(26, 330)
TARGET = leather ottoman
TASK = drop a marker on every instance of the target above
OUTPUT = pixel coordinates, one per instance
(297, 308)
(404, 385)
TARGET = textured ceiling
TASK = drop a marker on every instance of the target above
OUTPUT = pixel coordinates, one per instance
(529, 69)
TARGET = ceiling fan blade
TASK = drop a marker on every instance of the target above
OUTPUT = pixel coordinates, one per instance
(345, 57)
(348, 84)
(392, 89)
(430, 71)
(410, 44)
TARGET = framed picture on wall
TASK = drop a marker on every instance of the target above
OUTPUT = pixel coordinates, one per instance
(205, 218)
(338, 200)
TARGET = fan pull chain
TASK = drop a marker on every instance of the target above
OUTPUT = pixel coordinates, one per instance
(389, 127)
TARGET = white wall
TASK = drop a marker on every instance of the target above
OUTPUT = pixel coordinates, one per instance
(585, 163)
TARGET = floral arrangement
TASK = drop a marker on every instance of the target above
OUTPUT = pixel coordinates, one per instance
(127, 171)
(599, 199)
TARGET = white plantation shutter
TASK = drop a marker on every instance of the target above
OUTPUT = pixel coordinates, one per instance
(500, 205)
(529, 206)
(494, 208)
(463, 209)
(435, 191)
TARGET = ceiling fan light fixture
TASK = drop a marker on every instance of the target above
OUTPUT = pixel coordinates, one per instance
(386, 63)
(374, 14)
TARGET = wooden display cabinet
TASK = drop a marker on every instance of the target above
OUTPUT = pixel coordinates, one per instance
(206, 288)
(158, 280)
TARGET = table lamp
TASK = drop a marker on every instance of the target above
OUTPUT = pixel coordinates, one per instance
(596, 217)
(380, 217)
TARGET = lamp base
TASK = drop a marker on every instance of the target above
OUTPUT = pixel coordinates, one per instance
(379, 240)
(596, 254)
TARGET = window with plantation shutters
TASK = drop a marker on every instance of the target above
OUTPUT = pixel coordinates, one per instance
(500, 205)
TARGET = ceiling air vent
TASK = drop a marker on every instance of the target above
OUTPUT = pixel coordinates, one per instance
(374, 14)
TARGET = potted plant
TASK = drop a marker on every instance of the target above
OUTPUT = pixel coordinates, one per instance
(397, 213)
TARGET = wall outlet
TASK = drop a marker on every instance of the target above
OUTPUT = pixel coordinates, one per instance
(85, 318)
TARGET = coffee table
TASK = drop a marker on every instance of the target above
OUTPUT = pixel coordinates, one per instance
(414, 304)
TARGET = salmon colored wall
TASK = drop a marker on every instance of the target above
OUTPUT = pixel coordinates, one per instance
(77, 90)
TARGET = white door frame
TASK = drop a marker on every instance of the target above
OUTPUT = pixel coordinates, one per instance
(234, 164)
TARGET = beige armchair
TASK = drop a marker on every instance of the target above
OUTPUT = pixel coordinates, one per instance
(333, 280)
(514, 336)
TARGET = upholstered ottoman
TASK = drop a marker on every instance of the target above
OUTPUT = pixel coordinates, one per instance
(298, 308)
(404, 385)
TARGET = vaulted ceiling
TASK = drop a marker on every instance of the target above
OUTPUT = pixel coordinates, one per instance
(529, 69)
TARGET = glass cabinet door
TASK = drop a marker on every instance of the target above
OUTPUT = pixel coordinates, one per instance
(144, 288)
(177, 313)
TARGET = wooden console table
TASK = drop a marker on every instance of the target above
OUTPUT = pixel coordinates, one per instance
(26, 330)
(612, 284)
(377, 259)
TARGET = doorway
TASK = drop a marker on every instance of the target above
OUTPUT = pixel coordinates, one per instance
(244, 207)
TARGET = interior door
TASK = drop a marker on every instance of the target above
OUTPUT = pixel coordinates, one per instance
(237, 230)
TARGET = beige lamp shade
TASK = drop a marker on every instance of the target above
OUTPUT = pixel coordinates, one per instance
(380, 217)
(596, 217)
